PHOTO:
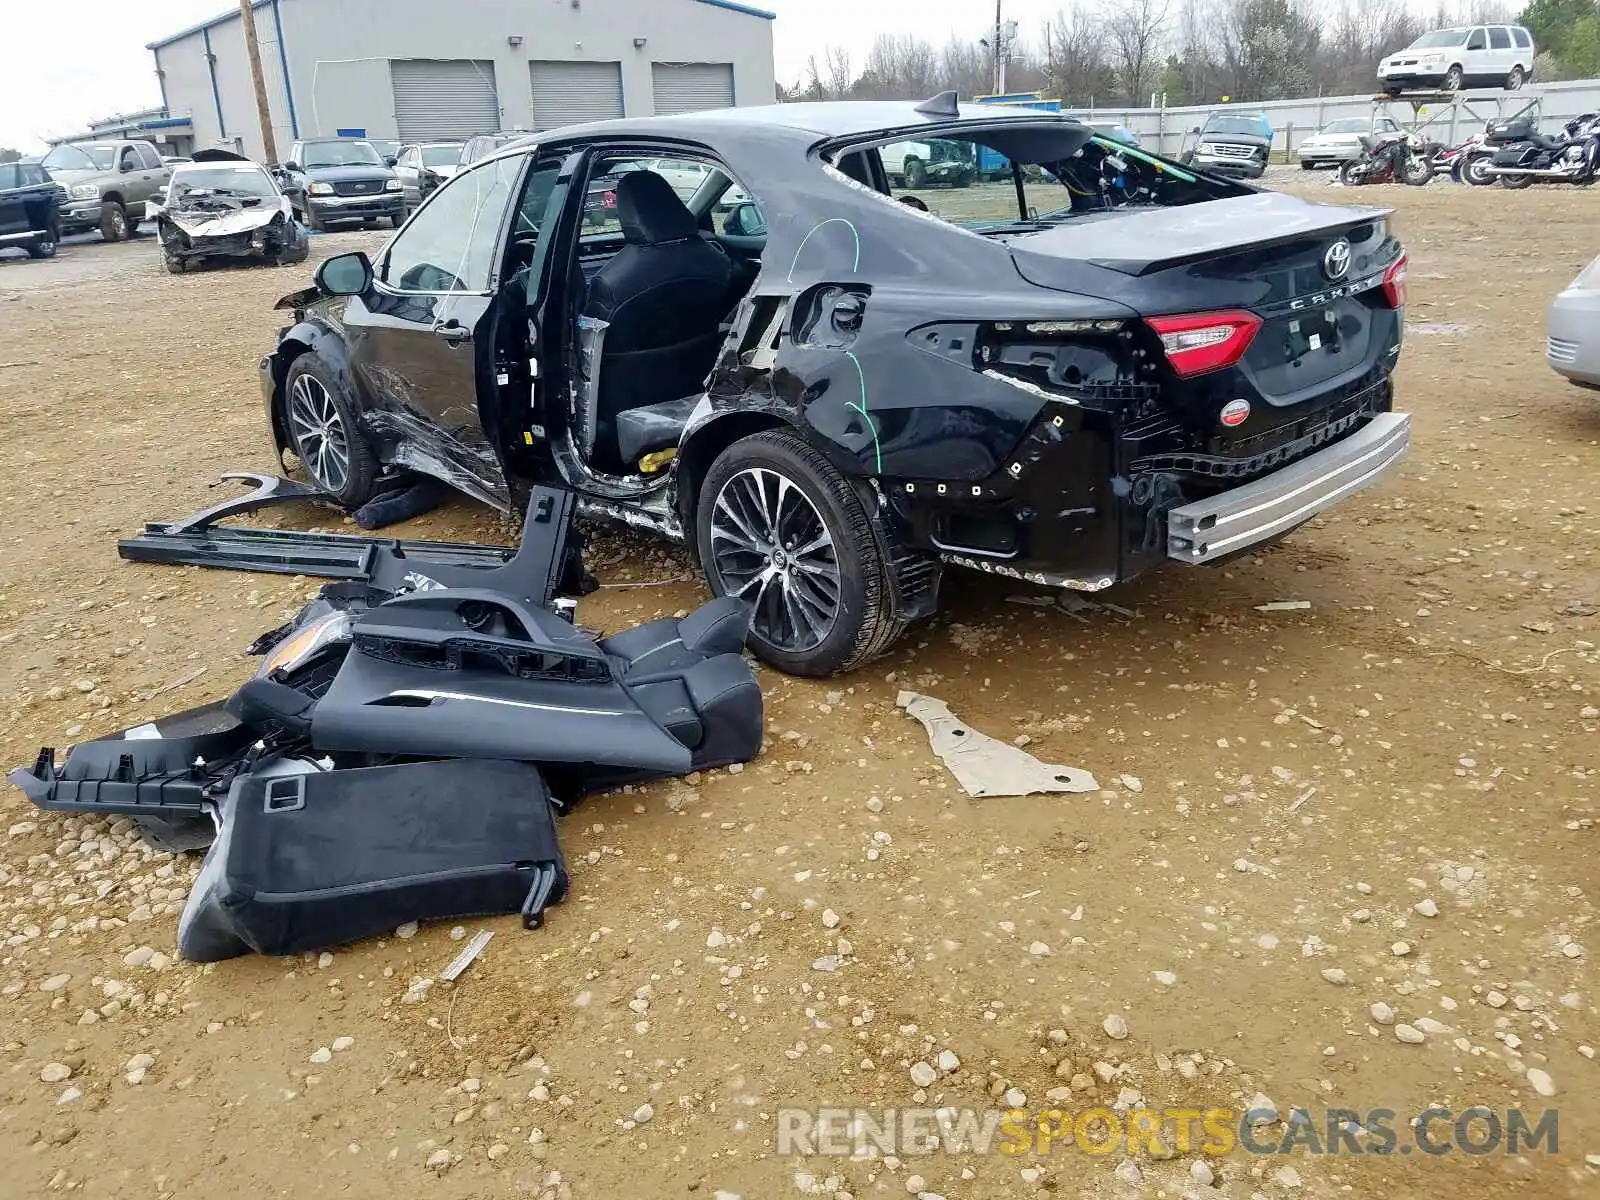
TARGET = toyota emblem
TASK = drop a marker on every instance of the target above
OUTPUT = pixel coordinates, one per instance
(1235, 412)
(1336, 262)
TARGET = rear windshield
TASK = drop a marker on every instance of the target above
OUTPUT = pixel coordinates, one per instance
(440, 156)
(1064, 169)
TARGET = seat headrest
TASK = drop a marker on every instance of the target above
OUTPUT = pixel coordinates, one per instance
(651, 212)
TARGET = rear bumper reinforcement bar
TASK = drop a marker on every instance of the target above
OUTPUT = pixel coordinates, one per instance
(1234, 520)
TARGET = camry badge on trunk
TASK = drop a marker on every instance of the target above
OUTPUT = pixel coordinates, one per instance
(1336, 262)
(1235, 412)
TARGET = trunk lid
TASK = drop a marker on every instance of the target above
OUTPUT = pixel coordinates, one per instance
(1154, 239)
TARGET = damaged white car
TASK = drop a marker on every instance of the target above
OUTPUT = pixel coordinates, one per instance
(222, 205)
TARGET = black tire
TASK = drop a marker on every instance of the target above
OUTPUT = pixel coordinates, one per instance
(172, 264)
(181, 835)
(133, 228)
(1453, 79)
(862, 624)
(1515, 182)
(314, 222)
(324, 433)
(45, 245)
(1352, 174)
(397, 220)
(1307, 165)
(916, 173)
(1473, 173)
(1418, 170)
(1515, 80)
(113, 221)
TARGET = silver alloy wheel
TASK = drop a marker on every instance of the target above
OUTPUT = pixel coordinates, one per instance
(119, 224)
(320, 438)
(771, 547)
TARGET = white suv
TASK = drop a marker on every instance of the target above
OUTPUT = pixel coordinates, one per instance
(1447, 60)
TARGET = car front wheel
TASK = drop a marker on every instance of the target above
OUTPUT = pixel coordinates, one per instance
(778, 526)
(113, 221)
(323, 432)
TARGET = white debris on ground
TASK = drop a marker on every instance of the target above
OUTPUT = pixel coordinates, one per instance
(984, 766)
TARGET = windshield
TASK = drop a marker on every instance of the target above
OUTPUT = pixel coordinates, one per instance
(1439, 39)
(82, 158)
(440, 156)
(1349, 125)
(1254, 126)
(340, 154)
(242, 181)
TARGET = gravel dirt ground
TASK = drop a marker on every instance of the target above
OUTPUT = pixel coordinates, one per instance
(1322, 831)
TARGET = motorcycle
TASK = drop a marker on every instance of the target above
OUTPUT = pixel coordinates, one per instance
(1448, 160)
(1496, 136)
(1573, 156)
(1388, 158)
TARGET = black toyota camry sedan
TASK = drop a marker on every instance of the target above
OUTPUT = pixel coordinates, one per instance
(831, 387)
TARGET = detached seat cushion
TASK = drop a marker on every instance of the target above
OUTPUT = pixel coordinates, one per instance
(653, 427)
(690, 677)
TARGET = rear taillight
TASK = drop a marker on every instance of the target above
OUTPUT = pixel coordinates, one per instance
(1394, 283)
(1199, 342)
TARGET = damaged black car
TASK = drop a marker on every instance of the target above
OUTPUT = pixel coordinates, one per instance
(223, 206)
(837, 387)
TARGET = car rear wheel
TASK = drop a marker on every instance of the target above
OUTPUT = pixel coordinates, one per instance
(779, 527)
(44, 246)
(324, 434)
(916, 173)
(1515, 80)
(113, 221)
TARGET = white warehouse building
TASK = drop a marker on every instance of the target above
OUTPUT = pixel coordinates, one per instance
(425, 70)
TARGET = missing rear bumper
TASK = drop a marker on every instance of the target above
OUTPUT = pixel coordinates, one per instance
(1231, 521)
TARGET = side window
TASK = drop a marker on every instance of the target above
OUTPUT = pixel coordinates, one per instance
(409, 156)
(1499, 37)
(1521, 37)
(128, 160)
(449, 245)
(148, 157)
(1477, 41)
(9, 176)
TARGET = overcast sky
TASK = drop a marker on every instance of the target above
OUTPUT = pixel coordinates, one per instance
(65, 64)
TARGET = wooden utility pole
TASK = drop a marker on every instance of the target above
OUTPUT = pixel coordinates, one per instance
(247, 19)
(999, 52)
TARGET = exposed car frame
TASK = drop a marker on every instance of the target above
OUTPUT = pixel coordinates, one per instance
(1054, 399)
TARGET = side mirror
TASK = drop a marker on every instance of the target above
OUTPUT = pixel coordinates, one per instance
(745, 220)
(291, 166)
(389, 160)
(1196, 129)
(344, 275)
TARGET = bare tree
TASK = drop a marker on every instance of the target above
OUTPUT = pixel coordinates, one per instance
(1135, 29)
(1076, 65)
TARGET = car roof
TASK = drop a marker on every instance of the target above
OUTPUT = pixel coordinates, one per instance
(836, 119)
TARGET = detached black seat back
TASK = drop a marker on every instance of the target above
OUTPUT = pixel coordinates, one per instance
(664, 294)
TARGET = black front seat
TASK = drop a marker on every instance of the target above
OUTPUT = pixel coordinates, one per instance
(664, 294)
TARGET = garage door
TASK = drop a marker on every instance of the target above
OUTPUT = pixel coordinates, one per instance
(570, 93)
(691, 87)
(439, 99)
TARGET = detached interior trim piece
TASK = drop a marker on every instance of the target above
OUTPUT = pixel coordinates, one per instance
(983, 765)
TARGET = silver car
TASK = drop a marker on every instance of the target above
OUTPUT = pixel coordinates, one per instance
(1339, 142)
(1572, 347)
